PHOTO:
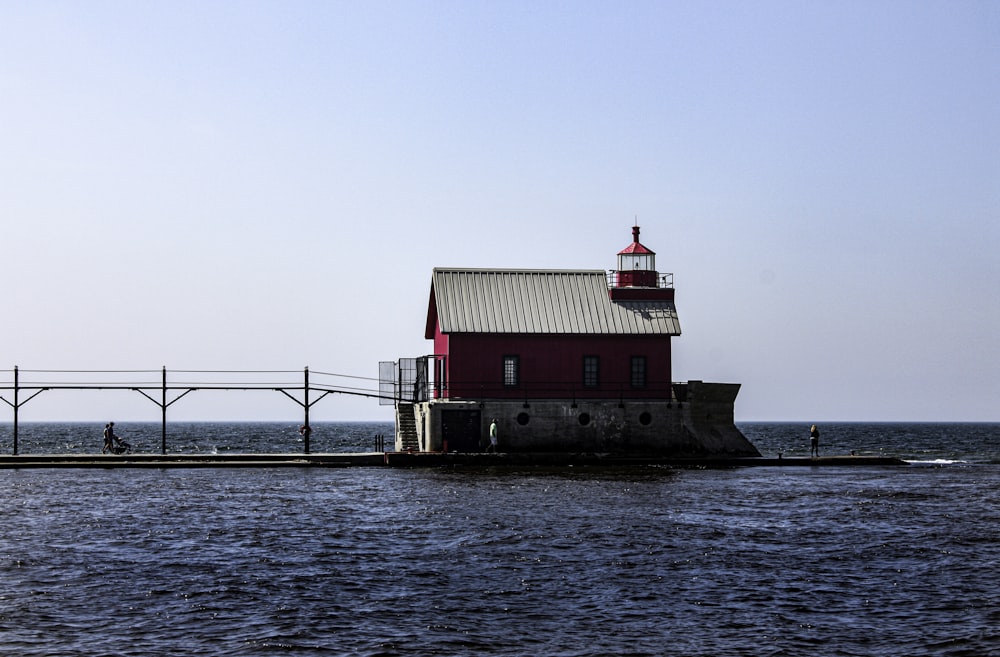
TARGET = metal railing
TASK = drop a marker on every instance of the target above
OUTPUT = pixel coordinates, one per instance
(662, 280)
(164, 393)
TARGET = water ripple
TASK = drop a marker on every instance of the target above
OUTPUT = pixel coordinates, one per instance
(494, 562)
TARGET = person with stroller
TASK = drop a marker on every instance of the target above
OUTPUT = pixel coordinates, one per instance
(112, 443)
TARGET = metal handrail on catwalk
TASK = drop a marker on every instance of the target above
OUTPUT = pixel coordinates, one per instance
(178, 389)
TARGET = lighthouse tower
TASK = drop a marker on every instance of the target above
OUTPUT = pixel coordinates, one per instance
(636, 264)
(636, 277)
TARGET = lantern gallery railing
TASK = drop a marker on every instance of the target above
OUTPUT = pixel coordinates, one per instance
(661, 280)
(305, 392)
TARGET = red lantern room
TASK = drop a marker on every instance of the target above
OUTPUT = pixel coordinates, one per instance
(636, 264)
(637, 278)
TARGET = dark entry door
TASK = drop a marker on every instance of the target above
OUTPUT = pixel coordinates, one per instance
(461, 429)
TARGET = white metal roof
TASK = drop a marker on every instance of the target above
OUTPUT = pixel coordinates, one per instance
(542, 301)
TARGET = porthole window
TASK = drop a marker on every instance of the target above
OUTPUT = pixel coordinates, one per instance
(584, 419)
(645, 418)
(523, 418)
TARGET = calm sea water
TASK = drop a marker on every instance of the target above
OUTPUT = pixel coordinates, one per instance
(489, 561)
(195, 437)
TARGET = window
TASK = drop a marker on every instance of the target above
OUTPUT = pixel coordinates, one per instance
(591, 371)
(638, 371)
(511, 371)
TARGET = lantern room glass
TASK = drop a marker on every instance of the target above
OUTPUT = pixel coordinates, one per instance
(636, 262)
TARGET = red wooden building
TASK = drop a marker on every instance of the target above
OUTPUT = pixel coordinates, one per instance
(511, 334)
(561, 360)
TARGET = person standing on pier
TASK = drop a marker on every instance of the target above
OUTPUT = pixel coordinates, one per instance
(109, 439)
(814, 441)
(493, 437)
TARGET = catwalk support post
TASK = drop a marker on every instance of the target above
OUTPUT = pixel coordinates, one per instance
(16, 407)
(163, 413)
(17, 404)
(307, 429)
(163, 404)
(306, 404)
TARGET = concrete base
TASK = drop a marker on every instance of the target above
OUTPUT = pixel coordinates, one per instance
(698, 422)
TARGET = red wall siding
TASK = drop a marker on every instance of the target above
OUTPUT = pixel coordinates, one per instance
(551, 366)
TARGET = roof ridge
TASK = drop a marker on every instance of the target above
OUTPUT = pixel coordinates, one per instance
(507, 270)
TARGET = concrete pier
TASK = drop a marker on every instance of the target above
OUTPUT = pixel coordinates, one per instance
(438, 459)
(192, 460)
(421, 460)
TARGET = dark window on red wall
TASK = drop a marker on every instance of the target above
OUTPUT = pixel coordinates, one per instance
(511, 371)
(591, 371)
(638, 371)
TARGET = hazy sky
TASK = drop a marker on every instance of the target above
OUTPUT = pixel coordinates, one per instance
(267, 186)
